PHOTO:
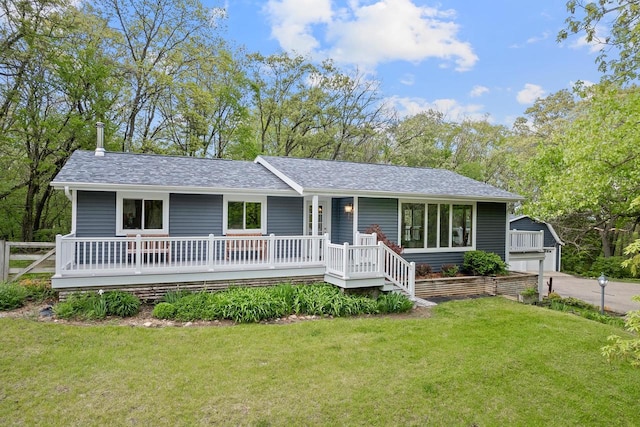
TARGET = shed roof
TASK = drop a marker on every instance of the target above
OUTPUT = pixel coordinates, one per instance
(126, 169)
(307, 175)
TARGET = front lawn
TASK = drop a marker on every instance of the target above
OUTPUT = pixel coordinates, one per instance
(487, 361)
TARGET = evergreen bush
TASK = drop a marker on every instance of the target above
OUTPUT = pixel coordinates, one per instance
(481, 263)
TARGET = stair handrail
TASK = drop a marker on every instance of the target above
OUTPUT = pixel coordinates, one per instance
(398, 270)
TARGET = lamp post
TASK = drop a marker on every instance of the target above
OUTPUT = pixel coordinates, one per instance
(602, 281)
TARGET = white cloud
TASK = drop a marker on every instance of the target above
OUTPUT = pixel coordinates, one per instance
(536, 39)
(594, 45)
(408, 79)
(478, 91)
(369, 33)
(530, 93)
(451, 108)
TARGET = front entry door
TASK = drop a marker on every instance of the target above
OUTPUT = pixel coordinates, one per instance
(323, 214)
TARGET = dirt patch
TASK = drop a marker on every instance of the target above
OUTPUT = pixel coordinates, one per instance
(42, 312)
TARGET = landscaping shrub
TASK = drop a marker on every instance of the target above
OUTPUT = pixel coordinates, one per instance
(481, 263)
(449, 270)
(626, 349)
(423, 269)
(164, 310)
(244, 305)
(122, 304)
(12, 296)
(611, 267)
(393, 303)
(38, 290)
(580, 308)
(173, 296)
(98, 305)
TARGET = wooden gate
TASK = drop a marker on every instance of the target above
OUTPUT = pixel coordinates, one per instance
(42, 255)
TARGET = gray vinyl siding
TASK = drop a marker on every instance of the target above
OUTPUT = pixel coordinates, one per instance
(491, 234)
(341, 222)
(285, 216)
(96, 214)
(383, 212)
(435, 259)
(195, 215)
(527, 224)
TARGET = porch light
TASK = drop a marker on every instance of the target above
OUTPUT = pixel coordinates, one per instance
(348, 208)
(602, 281)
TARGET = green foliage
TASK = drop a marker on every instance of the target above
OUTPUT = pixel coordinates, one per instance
(633, 263)
(529, 292)
(250, 305)
(164, 310)
(626, 348)
(393, 303)
(97, 305)
(481, 263)
(611, 267)
(39, 290)
(121, 304)
(173, 296)
(12, 295)
(580, 308)
(449, 270)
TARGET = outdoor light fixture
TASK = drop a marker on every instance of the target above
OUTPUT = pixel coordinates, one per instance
(602, 281)
(348, 208)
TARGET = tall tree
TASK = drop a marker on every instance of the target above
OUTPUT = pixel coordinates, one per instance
(615, 26)
(56, 85)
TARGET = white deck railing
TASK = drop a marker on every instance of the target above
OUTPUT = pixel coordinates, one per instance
(122, 255)
(104, 256)
(399, 271)
(526, 241)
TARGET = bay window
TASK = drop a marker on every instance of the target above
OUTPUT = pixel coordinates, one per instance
(435, 226)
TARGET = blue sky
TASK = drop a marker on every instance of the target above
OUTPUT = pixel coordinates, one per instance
(466, 58)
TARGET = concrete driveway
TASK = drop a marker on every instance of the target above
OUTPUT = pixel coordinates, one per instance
(617, 295)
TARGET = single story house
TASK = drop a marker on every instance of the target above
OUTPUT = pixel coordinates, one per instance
(142, 219)
(552, 244)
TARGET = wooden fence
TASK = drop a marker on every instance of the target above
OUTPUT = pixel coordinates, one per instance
(41, 255)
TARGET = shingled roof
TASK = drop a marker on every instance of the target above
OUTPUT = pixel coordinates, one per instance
(309, 175)
(268, 175)
(127, 169)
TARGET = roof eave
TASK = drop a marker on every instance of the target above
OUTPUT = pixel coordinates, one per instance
(92, 186)
(407, 195)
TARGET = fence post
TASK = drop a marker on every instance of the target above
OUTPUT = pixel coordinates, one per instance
(381, 269)
(4, 273)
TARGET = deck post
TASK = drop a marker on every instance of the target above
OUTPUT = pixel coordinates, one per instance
(272, 250)
(540, 278)
(210, 250)
(412, 278)
(325, 249)
(58, 255)
(345, 261)
(3, 272)
(138, 254)
(380, 259)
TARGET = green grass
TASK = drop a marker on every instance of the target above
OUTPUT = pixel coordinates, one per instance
(487, 361)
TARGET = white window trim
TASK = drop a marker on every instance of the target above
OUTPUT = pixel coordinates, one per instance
(474, 213)
(263, 214)
(121, 195)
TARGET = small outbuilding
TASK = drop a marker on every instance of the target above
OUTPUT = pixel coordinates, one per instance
(552, 244)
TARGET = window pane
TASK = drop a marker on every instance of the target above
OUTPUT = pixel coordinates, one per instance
(153, 214)
(461, 232)
(413, 225)
(444, 226)
(132, 214)
(235, 215)
(432, 226)
(253, 215)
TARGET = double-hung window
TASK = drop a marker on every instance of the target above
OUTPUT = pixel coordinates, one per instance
(244, 215)
(436, 225)
(142, 213)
